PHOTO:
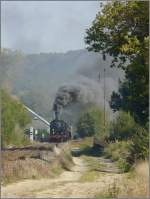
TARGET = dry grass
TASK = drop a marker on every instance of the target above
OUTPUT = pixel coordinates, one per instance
(92, 163)
(33, 163)
(135, 184)
(89, 176)
(28, 169)
(82, 143)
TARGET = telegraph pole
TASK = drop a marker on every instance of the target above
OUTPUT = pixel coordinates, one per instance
(104, 99)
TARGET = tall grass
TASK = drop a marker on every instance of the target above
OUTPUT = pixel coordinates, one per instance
(134, 185)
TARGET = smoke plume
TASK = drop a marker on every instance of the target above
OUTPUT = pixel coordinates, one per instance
(81, 93)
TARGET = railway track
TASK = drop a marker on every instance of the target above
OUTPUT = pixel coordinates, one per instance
(41, 146)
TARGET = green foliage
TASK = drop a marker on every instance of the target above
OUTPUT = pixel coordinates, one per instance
(123, 127)
(121, 30)
(85, 126)
(123, 165)
(91, 123)
(133, 93)
(14, 118)
(140, 144)
(117, 150)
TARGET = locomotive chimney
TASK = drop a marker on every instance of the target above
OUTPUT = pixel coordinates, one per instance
(56, 111)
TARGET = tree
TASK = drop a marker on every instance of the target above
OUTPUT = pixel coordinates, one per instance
(121, 30)
(133, 93)
(85, 126)
(91, 123)
(14, 119)
(123, 127)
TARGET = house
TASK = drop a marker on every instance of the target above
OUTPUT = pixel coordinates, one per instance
(38, 129)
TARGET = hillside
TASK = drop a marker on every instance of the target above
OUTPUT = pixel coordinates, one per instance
(14, 119)
(35, 78)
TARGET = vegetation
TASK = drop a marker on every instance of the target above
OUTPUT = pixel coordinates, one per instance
(91, 123)
(128, 141)
(134, 184)
(119, 151)
(123, 127)
(26, 164)
(88, 176)
(121, 30)
(22, 75)
(14, 119)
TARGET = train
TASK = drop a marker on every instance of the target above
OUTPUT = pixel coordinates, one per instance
(60, 131)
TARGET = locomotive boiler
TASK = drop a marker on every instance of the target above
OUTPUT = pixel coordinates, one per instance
(60, 131)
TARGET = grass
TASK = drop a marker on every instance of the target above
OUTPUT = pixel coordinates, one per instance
(119, 151)
(82, 143)
(89, 176)
(29, 164)
(65, 160)
(92, 163)
(111, 192)
(86, 147)
(134, 185)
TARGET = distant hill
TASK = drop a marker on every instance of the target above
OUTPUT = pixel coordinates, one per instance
(35, 78)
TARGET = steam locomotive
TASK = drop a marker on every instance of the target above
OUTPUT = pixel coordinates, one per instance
(60, 131)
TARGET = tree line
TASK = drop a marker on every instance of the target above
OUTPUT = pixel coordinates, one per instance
(121, 30)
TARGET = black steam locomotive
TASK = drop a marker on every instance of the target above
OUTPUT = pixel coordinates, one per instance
(60, 131)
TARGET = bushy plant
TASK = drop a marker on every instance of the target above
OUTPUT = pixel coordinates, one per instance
(118, 150)
(140, 144)
(14, 118)
(123, 127)
(91, 123)
(128, 142)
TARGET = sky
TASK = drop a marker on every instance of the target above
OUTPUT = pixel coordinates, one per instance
(35, 27)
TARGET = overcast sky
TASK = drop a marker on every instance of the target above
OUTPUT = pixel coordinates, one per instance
(35, 27)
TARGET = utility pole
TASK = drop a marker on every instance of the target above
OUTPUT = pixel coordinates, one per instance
(104, 99)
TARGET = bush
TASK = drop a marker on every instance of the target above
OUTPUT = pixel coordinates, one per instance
(140, 144)
(119, 151)
(126, 152)
(14, 119)
(91, 123)
(123, 127)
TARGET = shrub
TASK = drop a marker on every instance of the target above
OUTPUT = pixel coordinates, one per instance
(140, 144)
(14, 119)
(123, 127)
(91, 122)
(119, 151)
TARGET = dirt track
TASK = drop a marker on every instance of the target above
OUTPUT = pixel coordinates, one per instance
(66, 185)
